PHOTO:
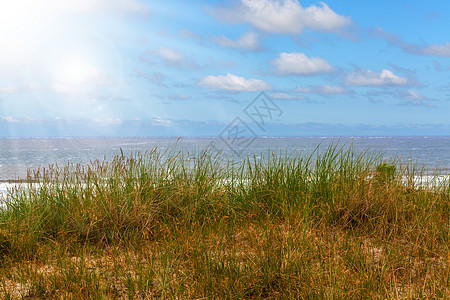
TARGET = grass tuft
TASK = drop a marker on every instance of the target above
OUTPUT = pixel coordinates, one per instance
(335, 223)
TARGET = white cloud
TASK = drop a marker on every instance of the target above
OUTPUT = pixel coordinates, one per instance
(170, 57)
(301, 89)
(23, 87)
(323, 89)
(33, 86)
(158, 121)
(248, 41)
(397, 40)
(179, 97)
(413, 95)
(284, 16)
(437, 50)
(299, 64)
(156, 77)
(75, 76)
(332, 90)
(414, 98)
(285, 96)
(174, 58)
(9, 89)
(9, 119)
(187, 33)
(370, 78)
(232, 82)
(108, 121)
(324, 19)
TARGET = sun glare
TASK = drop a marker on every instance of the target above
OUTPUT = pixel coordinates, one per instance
(74, 70)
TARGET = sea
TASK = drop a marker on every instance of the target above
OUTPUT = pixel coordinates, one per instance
(21, 155)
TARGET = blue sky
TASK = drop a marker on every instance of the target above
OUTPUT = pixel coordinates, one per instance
(190, 68)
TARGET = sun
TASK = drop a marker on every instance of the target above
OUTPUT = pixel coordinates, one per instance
(45, 43)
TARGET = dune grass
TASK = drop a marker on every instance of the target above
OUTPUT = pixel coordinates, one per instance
(334, 224)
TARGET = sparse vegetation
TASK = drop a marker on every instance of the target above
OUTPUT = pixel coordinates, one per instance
(335, 224)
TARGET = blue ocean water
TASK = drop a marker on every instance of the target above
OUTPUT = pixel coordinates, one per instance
(17, 155)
